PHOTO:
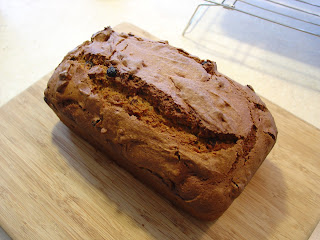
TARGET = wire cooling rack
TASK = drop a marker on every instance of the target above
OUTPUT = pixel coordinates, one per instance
(300, 11)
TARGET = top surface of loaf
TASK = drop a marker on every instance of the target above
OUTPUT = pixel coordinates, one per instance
(197, 90)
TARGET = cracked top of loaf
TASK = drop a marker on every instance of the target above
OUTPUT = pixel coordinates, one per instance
(172, 113)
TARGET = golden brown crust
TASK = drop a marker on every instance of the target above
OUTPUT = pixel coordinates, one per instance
(171, 119)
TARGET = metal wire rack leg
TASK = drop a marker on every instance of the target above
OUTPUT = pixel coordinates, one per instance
(194, 13)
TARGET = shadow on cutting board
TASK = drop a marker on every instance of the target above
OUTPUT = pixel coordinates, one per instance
(155, 215)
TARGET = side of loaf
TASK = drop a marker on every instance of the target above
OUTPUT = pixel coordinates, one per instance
(172, 120)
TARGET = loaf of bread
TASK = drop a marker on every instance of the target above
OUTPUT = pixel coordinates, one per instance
(170, 119)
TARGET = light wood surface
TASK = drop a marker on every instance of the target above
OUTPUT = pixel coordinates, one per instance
(53, 185)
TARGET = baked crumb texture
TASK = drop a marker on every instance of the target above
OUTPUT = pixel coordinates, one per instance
(171, 119)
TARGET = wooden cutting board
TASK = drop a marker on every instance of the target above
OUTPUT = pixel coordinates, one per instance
(53, 185)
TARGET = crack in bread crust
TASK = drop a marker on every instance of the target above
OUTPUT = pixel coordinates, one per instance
(152, 106)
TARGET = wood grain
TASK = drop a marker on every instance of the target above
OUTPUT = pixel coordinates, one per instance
(53, 185)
